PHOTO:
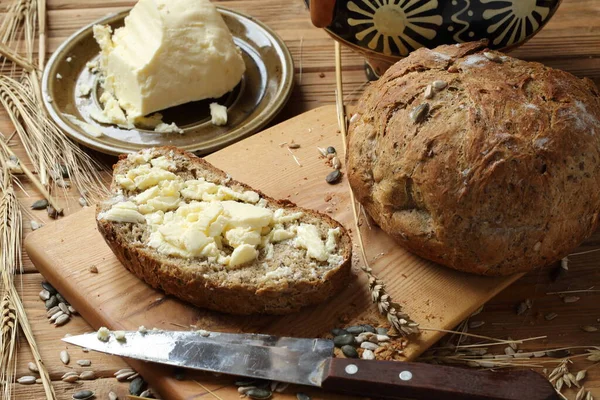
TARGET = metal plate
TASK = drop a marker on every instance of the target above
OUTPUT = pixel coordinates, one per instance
(263, 91)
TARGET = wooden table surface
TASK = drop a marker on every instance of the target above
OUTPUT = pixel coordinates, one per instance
(571, 41)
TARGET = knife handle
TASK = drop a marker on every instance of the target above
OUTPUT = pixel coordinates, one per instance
(396, 380)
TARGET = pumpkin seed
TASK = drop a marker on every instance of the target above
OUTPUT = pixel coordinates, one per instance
(369, 328)
(331, 150)
(382, 331)
(112, 396)
(33, 367)
(349, 351)
(369, 346)
(121, 371)
(259, 394)
(87, 375)
(281, 387)
(48, 287)
(343, 340)
(245, 382)
(39, 204)
(63, 319)
(136, 386)
(439, 85)
(419, 113)
(338, 332)
(355, 330)
(83, 395)
(84, 363)
(64, 357)
(368, 355)
(44, 295)
(134, 376)
(60, 298)
(302, 396)
(333, 177)
(51, 302)
(27, 380)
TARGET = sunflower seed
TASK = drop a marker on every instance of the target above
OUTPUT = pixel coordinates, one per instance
(63, 319)
(333, 177)
(33, 367)
(368, 355)
(54, 317)
(428, 92)
(419, 113)
(48, 287)
(83, 202)
(27, 380)
(244, 389)
(349, 351)
(60, 298)
(83, 395)
(35, 225)
(124, 375)
(589, 328)
(71, 309)
(331, 150)
(570, 299)
(335, 163)
(64, 308)
(302, 396)
(147, 394)
(322, 151)
(259, 394)
(343, 340)
(70, 373)
(71, 378)
(122, 371)
(51, 302)
(369, 346)
(39, 204)
(87, 375)
(550, 316)
(439, 85)
(134, 376)
(112, 396)
(136, 386)
(492, 57)
(84, 363)
(38, 380)
(64, 357)
(44, 295)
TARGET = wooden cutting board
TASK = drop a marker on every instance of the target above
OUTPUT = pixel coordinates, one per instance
(436, 297)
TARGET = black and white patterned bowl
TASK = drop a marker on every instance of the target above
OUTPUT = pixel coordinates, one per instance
(387, 30)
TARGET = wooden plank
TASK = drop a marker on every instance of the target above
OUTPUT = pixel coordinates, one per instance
(64, 250)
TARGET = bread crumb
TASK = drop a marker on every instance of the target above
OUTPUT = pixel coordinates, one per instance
(103, 334)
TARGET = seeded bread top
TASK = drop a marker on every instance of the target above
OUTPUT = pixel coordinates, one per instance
(287, 260)
(477, 160)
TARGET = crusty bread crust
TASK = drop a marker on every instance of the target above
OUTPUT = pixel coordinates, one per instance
(167, 274)
(501, 175)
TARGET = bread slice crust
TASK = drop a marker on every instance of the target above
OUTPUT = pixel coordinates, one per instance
(181, 279)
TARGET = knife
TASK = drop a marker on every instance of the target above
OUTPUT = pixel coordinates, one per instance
(311, 362)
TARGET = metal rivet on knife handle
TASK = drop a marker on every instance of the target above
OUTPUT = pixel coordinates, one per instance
(405, 375)
(351, 369)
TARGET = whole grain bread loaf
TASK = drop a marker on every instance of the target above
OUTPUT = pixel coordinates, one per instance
(279, 283)
(478, 161)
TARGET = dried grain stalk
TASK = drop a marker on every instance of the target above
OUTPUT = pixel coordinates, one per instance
(398, 319)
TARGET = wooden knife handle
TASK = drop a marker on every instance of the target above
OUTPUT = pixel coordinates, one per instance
(396, 380)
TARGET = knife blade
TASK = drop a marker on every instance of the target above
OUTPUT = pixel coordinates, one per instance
(311, 362)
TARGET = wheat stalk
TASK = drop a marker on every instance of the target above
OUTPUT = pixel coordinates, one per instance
(399, 320)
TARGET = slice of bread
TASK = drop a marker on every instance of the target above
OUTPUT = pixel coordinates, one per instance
(282, 277)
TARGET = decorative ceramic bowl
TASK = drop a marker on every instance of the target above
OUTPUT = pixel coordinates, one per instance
(387, 30)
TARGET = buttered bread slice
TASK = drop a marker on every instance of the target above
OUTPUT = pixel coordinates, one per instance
(187, 228)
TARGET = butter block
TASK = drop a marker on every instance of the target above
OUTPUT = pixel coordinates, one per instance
(168, 53)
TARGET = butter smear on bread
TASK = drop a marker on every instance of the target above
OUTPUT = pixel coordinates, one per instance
(168, 53)
(195, 218)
